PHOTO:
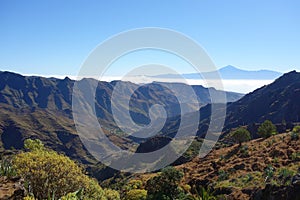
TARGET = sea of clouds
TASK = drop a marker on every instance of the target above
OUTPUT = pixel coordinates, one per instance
(236, 85)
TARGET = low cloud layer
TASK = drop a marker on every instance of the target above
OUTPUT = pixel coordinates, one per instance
(240, 86)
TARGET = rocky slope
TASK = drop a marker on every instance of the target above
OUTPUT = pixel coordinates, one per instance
(278, 102)
(241, 173)
(261, 169)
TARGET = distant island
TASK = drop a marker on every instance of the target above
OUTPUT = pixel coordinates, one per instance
(229, 73)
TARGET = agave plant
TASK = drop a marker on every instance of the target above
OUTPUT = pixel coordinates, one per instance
(78, 195)
(6, 168)
(204, 194)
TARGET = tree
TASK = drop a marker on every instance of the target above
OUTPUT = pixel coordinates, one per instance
(133, 185)
(51, 174)
(111, 194)
(241, 135)
(136, 194)
(32, 145)
(166, 185)
(267, 129)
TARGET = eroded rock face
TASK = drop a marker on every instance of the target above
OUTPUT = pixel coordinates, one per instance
(296, 180)
(12, 188)
(273, 192)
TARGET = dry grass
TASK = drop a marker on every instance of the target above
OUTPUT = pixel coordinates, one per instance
(244, 168)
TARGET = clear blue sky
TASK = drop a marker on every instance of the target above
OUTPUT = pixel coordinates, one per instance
(54, 37)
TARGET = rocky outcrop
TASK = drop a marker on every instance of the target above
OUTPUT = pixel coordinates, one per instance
(11, 188)
(274, 192)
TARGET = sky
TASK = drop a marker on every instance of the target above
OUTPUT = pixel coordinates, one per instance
(55, 37)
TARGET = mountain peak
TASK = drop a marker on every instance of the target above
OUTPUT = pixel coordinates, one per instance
(67, 79)
(288, 78)
(294, 72)
(230, 67)
(8, 73)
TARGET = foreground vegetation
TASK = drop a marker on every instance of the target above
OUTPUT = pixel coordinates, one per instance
(256, 169)
(49, 175)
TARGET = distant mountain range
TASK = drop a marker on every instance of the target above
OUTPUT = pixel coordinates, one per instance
(231, 73)
(37, 107)
(41, 108)
(56, 94)
(32, 106)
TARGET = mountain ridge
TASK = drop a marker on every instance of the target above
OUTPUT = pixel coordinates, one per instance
(38, 107)
(277, 102)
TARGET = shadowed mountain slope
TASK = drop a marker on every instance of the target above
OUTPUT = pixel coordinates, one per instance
(41, 108)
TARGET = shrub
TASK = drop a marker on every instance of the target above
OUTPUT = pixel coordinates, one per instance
(192, 151)
(133, 184)
(28, 198)
(285, 176)
(241, 135)
(244, 150)
(247, 178)
(269, 172)
(267, 129)
(294, 135)
(295, 156)
(32, 145)
(222, 175)
(91, 189)
(165, 185)
(51, 174)
(111, 194)
(136, 194)
(48, 173)
(296, 129)
(186, 188)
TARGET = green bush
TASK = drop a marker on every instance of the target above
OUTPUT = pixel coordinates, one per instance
(241, 135)
(165, 185)
(275, 160)
(111, 194)
(295, 156)
(247, 178)
(267, 129)
(28, 198)
(51, 174)
(136, 194)
(222, 175)
(32, 145)
(244, 150)
(269, 172)
(285, 176)
(296, 129)
(133, 184)
(295, 135)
